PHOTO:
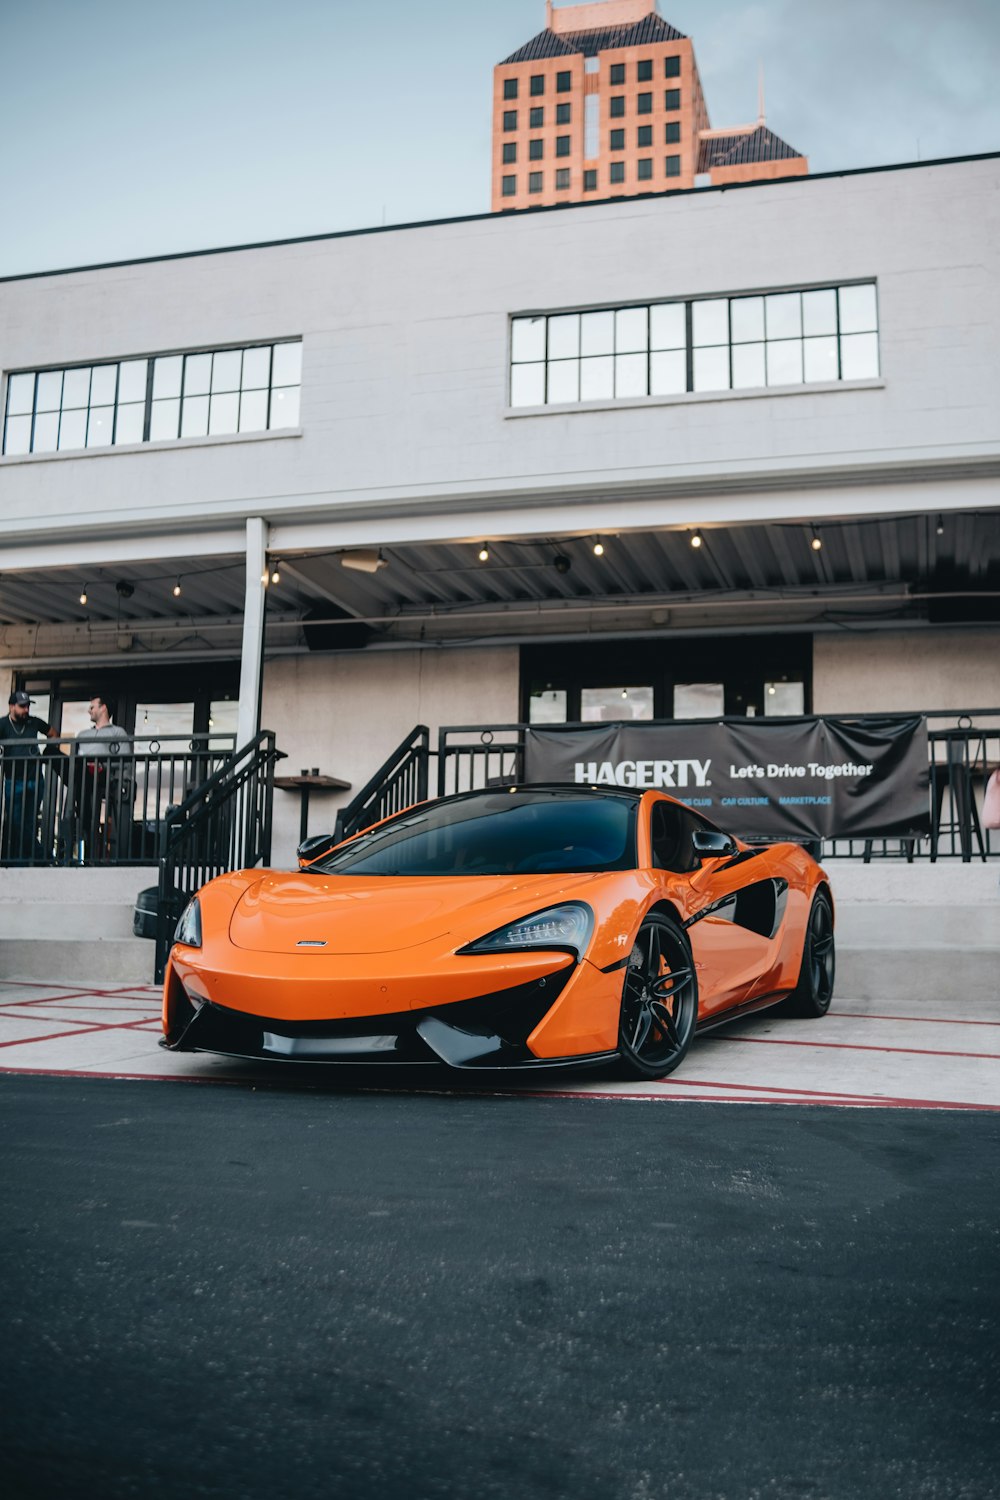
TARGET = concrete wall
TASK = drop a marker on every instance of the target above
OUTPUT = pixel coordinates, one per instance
(405, 361)
(347, 713)
(886, 671)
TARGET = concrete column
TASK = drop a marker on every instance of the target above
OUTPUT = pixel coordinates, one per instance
(252, 660)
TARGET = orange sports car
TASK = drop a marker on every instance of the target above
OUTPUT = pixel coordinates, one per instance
(518, 927)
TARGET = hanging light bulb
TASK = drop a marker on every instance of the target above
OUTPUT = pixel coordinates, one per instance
(598, 548)
(177, 589)
(696, 539)
(484, 553)
(624, 692)
(940, 526)
(276, 573)
(816, 543)
(83, 594)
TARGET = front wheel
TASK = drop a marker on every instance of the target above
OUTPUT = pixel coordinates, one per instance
(814, 991)
(659, 1000)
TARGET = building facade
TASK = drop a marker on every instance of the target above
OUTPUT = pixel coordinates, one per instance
(606, 102)
(457, 473)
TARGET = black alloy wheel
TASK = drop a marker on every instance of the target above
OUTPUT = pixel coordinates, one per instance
(659, 1000)
(814, 991)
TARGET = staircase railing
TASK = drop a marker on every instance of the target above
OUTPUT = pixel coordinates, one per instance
(225, 824)
(400, 781)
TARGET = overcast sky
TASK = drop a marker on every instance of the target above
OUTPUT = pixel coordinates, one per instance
(137, 129)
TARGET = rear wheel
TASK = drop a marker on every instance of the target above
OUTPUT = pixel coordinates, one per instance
(814, 991)
(659, 1000)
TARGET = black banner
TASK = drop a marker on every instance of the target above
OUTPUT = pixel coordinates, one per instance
(779, 778)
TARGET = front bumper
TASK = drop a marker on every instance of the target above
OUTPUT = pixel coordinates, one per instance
(490, 1031)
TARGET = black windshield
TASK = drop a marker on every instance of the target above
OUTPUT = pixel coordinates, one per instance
(497, 833)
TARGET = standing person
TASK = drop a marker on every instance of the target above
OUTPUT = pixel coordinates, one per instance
(100, 776)
(22, 779)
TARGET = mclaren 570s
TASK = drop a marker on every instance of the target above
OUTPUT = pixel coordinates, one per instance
(516, 927)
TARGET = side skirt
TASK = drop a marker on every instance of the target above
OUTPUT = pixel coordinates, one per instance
(759, 1002)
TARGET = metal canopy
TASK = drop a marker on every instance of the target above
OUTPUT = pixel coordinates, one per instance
(916, 569)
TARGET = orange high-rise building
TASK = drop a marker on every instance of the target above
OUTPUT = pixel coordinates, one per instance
(607, 101)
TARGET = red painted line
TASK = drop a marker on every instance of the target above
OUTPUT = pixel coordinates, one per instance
(861, 1015)
(83, 1030)
(776, 1041)
(75, 989)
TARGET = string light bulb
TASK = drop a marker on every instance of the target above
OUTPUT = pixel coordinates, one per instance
(696, 539)
(940, 527)
(276, 573)
(177, 589)
(83, 594)
(598, 548)
(484, 553)
(816, 543)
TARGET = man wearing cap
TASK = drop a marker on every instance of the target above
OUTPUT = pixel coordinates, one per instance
(22, 779)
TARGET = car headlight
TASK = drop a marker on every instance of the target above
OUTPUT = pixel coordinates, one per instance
(566, 927)
(188, 929)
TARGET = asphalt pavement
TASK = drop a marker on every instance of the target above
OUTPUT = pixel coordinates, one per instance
(255, 1289)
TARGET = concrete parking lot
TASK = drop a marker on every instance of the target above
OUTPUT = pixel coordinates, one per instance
(898, 1051)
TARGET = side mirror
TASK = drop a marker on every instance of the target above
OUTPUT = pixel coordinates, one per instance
(709, 844)
(312, 848)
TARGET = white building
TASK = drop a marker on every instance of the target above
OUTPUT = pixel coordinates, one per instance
(770, 366)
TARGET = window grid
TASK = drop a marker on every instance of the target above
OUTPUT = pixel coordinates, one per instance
(249, 388)
(747, 341)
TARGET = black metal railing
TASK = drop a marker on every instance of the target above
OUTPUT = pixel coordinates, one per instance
(67, 801)
(401, 780)
(224, 824)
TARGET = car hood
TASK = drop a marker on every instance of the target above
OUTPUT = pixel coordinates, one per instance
(302, 913)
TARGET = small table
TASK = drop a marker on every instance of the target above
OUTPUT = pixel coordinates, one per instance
(304, 785)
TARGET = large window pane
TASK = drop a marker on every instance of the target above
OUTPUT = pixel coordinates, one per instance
(100, 426)
(747, 319)
(163, 420)
(17, 435)
(73, 429)
(820, 359)
(167, 376)
(597, 333)
(285, 407)
(630, 375)
(784, 315)
(46, 432)
(668, 373)
(857, 309)
(710, 322)
(699, 700)
(748, 366)
(859, 356)
(784, 362)
(597, 378)
(226, 370)
(819, 312)
(256, 368)
(49, 390)
(132, 380)
(564, 380)
(527, 339)
(527, 385)
(253, 411)
(610, 703)
(286, 365)
(668, 325)
(76, 388)
(224, 413)
(194, 417)
(129, 423)
(711, 369)
(547, 706)
(103, 384)
(20, 395)
(784, 698)
(631, 330)
(564, 337)
(197, 374)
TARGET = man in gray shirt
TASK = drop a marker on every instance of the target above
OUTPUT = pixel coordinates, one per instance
(100, 766)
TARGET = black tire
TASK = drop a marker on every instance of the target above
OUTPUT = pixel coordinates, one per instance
(659, 1007)
(814, 991)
